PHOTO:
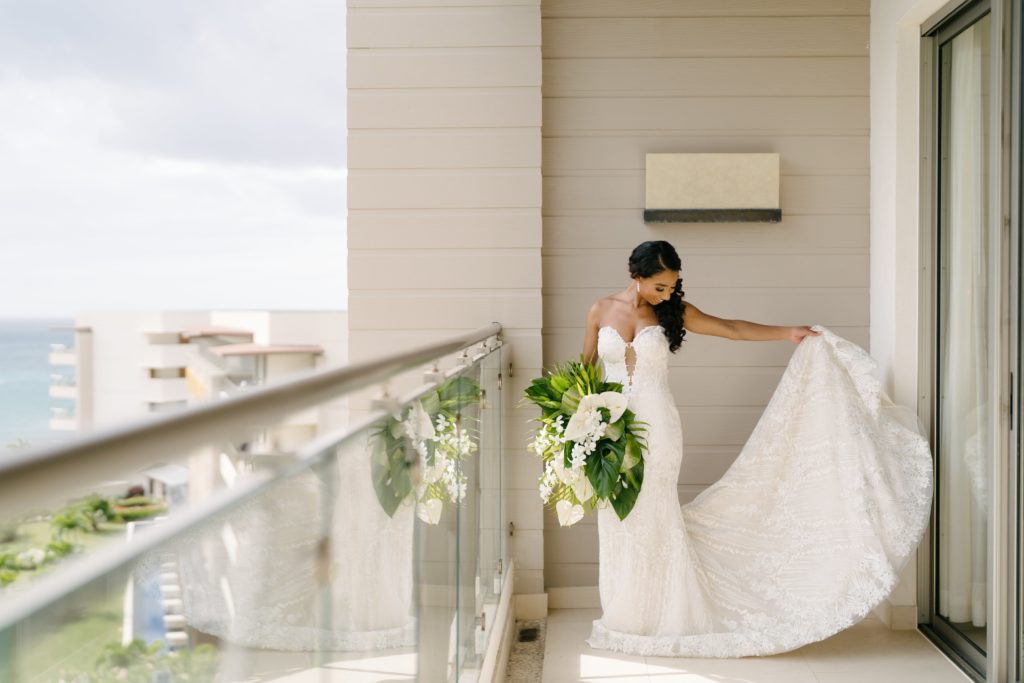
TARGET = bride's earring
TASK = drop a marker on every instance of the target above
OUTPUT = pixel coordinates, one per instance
(637, 287)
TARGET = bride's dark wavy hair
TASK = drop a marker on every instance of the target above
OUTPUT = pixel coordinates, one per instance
(649, 259)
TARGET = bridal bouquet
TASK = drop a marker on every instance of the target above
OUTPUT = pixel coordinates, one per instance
(591, 443)
(436, 429)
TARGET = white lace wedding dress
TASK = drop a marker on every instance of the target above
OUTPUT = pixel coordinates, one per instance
(804, 534)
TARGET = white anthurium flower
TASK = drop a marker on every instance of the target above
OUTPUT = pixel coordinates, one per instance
(577, 426)
(434, 472)
(568, 514)
(592, 402)
(565, 475)
(583, 489)
(429, 511)
(418, 423)
(583, 420)
(424, 427)
(615, 403)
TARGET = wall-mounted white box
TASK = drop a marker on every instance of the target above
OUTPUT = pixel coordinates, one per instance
(712, 188)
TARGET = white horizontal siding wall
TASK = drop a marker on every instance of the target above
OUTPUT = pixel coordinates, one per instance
(444, 194)
(625, 78)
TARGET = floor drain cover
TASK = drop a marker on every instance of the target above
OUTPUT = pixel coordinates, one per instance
(528, 635)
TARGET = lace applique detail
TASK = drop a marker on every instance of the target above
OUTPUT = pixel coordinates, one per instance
(802, 537)
(650, 358)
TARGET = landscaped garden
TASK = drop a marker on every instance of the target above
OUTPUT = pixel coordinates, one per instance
(82, 643)
(37, 544)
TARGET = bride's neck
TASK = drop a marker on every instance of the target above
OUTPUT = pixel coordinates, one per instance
(631, 295)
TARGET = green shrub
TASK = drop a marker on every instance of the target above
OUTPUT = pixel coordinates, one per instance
(139, 663)
(33, 558)
(7, 576)
(134, 501)
(98, 506)
(136, 513)
(68, 520)
(59, 548)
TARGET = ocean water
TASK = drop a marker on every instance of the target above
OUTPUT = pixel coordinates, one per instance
(25, 380)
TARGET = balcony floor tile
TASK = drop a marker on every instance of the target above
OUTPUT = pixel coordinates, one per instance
(868, 648)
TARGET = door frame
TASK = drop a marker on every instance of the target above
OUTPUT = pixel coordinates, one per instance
(1002, 660)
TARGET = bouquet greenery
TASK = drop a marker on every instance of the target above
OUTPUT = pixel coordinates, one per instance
(437, 429)
(592, 445)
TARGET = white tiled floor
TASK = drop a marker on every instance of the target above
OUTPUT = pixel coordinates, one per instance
(869, 652)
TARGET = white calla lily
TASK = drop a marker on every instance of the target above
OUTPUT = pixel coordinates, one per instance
(615, 403)
(429, 511)
(592, 402)
(583, 489)
(568, 514)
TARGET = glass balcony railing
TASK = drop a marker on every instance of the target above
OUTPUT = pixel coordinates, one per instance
(371, 550)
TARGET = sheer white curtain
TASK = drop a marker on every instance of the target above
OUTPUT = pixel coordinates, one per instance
(965, 434)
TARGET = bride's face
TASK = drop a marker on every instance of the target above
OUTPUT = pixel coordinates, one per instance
(658, 287)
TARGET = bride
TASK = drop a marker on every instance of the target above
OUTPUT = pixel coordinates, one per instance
(804, 534)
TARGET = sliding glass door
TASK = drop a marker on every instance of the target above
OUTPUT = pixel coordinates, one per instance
(965, 325)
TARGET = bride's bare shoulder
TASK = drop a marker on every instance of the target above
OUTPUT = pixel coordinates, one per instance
(599, 309)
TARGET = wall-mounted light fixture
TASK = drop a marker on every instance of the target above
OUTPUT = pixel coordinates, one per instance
(712, 188)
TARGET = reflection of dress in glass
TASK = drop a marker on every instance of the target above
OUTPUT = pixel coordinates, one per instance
(252, 579)
(805, 533)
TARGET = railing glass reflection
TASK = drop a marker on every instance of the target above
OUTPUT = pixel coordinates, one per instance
(375, 553)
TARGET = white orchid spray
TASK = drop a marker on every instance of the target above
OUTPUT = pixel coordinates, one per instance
(442, 435)
(590, 442)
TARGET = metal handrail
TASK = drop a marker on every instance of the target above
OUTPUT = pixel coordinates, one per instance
(33, 478)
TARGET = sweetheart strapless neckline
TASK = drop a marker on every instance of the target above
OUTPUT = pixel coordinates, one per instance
(635, 336)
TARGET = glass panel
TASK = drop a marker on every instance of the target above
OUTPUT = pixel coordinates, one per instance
(492, 562)
(468, 429)
(966, 411)
(311, 573)
(480, 573)
(376, 562)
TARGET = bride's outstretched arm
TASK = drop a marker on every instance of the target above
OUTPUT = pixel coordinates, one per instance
(695, 320)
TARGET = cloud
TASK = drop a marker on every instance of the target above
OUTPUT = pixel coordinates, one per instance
(156, 153)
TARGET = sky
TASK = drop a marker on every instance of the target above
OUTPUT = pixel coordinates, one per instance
(171, 155)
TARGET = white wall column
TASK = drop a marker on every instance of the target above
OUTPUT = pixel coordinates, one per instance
(444, 192)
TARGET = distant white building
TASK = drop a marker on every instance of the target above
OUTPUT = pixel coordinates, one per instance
(125, 364)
